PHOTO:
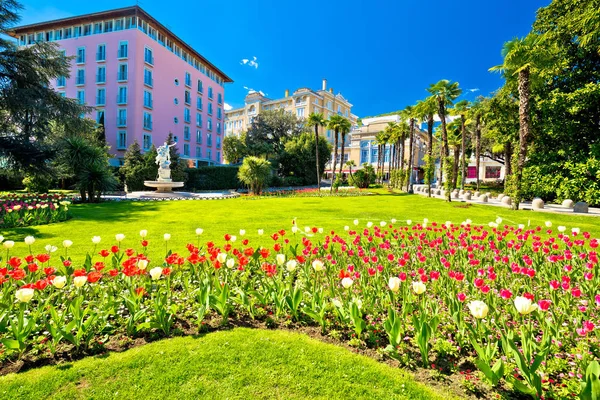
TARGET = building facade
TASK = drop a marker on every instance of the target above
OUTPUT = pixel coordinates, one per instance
(364, 148)
(301, 102)
(141, 81)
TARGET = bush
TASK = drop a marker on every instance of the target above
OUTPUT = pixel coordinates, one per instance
(37, 183)
(213, 178)
(363, 177)
(293, 181)
(255, 173)
(299, 159)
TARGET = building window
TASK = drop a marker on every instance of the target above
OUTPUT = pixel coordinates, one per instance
(329, 105)
(200, 86)
(100, 117)
(61, 81)
(218, 142)
(188, 97)
(122, 117)
(208, 154)
(220, 98)
(148, 81)
(187, 115)
(199, 119)
(87, 29)
(122, 75)
(176, 100)
(209, 139)
(80, 80)
(62, 94)
(176, 82)
(148, 57)
(148, 121)
(186, 149)
(123, 50)
(122, 96)
(147, 99)
(76, 31)
(209, 108)
(118, 25)
(101, 97)
(101, 75)
(198, 103)
(101, 53)
(471, 172)
(122, 140)
(198, 136)
(108, 26)
(147, 141)
(492, 172)
(218, 159)
(209, 124)
(210, 92)
(218, 128)
(300, 112)
(176, 120)
(219, 113)
(81, 96)
(188, 79)
(198, 151)
(80, 55)
(186, 133)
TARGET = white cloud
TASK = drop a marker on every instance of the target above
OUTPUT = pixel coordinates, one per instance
(251, 63)
(473, 90)
(227, 107)
(250, 91)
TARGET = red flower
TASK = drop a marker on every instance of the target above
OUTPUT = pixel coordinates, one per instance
(49, 271)
(402, 276)
(80, 272)
(114, 249)
(94, 276)
(479, 282)
(113, 272)
(166, 271)
(277, 247)
(42, 258)
(17, 274)
(67, 263)
(140, 291)
(99, 266)
(104, 253)
(14, 262)
(544, 304)
(29, 259)
(264, 253)
(274, 236)
(41, 284)
(144, 244)
(245, 242)
(32, 267)
(301, 259)
(194, 258)
(505, 294)
(227, 237)
(461, 297)
(129, 252)
(576, 292)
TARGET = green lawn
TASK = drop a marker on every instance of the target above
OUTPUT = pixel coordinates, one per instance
(238, 364)
(217, 217)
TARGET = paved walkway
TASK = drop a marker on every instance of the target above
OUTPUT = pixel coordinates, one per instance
(156, 196)
(493, 201)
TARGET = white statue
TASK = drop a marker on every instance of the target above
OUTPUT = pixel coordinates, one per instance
(163, 159)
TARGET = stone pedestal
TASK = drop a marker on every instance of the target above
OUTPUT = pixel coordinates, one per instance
(467, 196)
(581, 207)
(483, 198)
(537, 204)
(568, 203)
(506, 200)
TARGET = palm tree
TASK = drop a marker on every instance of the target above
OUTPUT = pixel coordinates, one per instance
(409, 115)
(475, 113)
(425, 111)
(522, 58)
(392, 132)
(445, 92)
(381, 138)
(461, 108)
(455, 140)
(345, 127)
(350, 164)
(336, 123)
(317, 120)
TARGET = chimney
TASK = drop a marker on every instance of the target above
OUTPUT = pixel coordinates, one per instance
(324, 84)
(287, 93)
(331, 90)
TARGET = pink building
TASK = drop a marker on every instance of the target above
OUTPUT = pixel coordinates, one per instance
(141, 79)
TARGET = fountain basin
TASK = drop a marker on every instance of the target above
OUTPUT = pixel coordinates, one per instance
(163, 187)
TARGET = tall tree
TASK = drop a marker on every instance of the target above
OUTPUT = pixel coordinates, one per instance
(409, 115)
(445, 92)
(336, 123)
(461, 108)
(317, 120)
(271, 128)
(522, 58)
(345, 127)
(425, 111)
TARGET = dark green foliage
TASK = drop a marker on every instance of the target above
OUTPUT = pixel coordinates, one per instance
(213, 178)
(178, 165)
(362, 178)
(234, 148)
(37, 183)
(298, 160)
(270, 130)
(138, 167)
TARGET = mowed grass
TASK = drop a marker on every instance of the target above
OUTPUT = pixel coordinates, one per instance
(217, 217)
(238, 364)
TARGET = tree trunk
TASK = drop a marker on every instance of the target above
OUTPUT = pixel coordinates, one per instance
(342, 155)
(455, 167)
(463, 145)
(335, 153)
(524, 132)
(411, 139)
(403, 139)
(508, 152)
(477, 146)
(390, 163)
(430, 152)
(383, 146)
(317, 154)
(445, 149)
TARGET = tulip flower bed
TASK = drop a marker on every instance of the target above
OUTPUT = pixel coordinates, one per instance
(314, 192)
(27, 209)
(519, 304)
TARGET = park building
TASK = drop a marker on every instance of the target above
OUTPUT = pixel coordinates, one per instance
(301, 102)
(141, 81)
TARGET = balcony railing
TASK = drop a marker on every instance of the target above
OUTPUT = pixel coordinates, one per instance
(148, 82)
(148, 103)
(149, 60)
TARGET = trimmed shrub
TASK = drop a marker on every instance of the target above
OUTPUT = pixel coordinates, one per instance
(213, 178)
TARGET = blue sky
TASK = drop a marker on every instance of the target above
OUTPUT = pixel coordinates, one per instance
(381, 55)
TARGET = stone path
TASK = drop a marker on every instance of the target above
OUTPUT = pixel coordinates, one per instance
(469, 197)
(156, 196)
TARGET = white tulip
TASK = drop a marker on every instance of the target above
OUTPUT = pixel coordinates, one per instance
(318, 265)
(230, 263)
(167, 237)
(155, 273)
(24, 295)
(346, 228)
(199, 231)
(8, 244)
(50, 249)
(548, 224)
(499, 220)
(394, 220)
(478, 309)
(562, 228)
(394, 283)
(355, 222)
(521, 226)
(59, 282)
(142, 264)
(419, 287)
(233, 239)
(280, 259)
(79, 281)
(448, 223)
(408, 222)
(96, 239)
(242, 232)
(222, 257)
(383, 223)
(119, 237)
(369, 224)
(307, 229)
(29, 240)
(468, 221)
(575, 230)
(261, 232)
(320, 230)
(524, 305)
(67, 243)
(291, 265)
(347, 282)
(143, 233)
(295, 229)
(425, 220)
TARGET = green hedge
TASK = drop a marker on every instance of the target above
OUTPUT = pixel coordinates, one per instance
(213, 178)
